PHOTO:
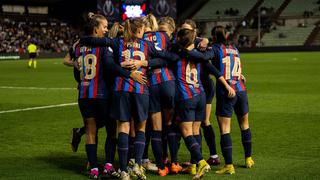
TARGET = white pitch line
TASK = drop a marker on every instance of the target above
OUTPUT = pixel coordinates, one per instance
(35, 88)
(39, 107)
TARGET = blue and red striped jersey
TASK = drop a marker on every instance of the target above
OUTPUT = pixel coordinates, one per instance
(188, 78)
(227, 60)
(92, 82)
(161, 41)
(136, 50)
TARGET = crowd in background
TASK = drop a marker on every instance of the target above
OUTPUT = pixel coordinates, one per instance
(52, 36)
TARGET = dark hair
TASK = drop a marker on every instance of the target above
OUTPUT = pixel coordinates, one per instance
(190, 22)
(116, 30)
(131, 27)
(93, 21)
(186, 37)
(219, 34)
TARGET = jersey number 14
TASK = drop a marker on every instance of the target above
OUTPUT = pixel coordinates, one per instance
(236, 69)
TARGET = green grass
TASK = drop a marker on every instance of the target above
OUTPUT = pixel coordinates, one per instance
(284, 103)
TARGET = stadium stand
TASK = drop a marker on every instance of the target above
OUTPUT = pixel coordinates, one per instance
(271, 3)
(217, 9)
(316, 40)
(301, 8)
(287, 36)
(50, 35)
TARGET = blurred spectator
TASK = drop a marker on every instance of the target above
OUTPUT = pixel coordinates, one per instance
(231, 12)
(244, 41)
(49, 36)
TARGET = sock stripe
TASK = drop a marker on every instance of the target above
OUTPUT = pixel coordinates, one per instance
(172, 134)
(139, 142)
(194, 145)
(156, 139)
(227, 147)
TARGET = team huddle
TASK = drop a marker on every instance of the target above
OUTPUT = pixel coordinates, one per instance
(150, 81)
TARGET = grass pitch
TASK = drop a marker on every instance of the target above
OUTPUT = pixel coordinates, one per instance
(284, 102)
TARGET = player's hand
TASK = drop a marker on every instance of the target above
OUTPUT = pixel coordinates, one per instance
(138, 64)
(242, 77)
(139, 77)
(231, 92)
(76, 65)
(203, 44)
(127, 65)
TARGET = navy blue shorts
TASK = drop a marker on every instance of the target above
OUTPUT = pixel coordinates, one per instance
(32, 55)
(239, 104)
(126, 105)
(192, 109)
(95, 108)
(162, 96)
(209, 90)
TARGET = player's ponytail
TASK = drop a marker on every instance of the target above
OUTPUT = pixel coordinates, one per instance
(132, 28)
(90, 15)
(116, 30)
(151, 22)
(219, 35)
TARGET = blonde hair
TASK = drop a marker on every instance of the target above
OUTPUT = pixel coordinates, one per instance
(167, 21)
(131, 28)
(116, 30)
(93, 21)
(150, 21)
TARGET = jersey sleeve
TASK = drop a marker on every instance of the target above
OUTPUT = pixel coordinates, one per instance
(212, 70)
(165, 54)
(111, 66)
(157, 63)
(197, 41)
(101, 42)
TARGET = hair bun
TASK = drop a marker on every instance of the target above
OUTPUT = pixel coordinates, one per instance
(90, 15)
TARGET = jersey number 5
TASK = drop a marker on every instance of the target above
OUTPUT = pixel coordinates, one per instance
(87, 66)
(236, 70)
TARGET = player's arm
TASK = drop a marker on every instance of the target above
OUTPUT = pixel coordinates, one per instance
(165, 54)
(67, 60)
(201, 43)
(157, 63)
(117, 69)
(101, 42)
(76, 74)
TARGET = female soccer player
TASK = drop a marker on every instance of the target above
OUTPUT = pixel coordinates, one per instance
(162, 92)
(131, 99)
(96, 67)
(191, 101)
(227, 60)
(208, 86)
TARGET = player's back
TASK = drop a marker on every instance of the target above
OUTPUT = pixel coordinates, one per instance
(188, 78)
(228, 62)
(137, 50)
(161, 41)
(92, 72)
